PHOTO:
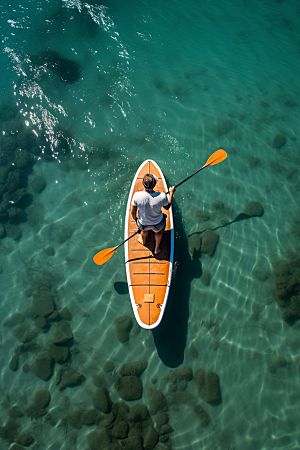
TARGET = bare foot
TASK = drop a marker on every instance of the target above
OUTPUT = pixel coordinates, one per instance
(156, 252)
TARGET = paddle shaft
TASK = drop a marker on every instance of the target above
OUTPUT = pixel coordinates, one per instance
(137, 232)
(187, 178)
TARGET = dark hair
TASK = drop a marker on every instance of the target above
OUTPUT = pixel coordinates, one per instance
(149, 181)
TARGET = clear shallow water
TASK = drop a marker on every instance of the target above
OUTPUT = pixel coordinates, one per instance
(172, 82)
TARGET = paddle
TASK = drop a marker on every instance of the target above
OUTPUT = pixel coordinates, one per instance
(215, 158)
(103, 256)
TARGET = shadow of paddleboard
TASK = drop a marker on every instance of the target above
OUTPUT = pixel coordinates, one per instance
(170, 336)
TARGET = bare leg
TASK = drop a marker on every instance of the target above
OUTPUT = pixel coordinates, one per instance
(158, 238)
(142, 239)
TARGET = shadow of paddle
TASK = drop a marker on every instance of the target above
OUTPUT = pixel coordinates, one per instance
(241, 216)
(121, 287)
(170, 336)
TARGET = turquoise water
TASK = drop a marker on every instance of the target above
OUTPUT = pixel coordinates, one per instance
(170, 81)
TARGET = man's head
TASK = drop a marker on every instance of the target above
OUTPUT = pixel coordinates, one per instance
(149, 181)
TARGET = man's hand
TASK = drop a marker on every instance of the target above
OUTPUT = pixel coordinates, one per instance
(171, 192)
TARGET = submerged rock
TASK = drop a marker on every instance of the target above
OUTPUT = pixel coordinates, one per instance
(120, 430)
(26, 368)
(82, 417)
(54, 317)
(42, 304)
(13, 231)
(279, 141)
(135, 368)
(42, 366)
(2, 231)
(24, 439)
(129, 387)
(27, 347)
(101, 400)
(99, 438)
(218, 204)
(194, 243)
(285, 288)
(23, 333)
(15, 196)
(14, 363)
(185, 373)
(14, 319)
(26, 139)
(133, 443)
(292, 311)
(10, 433)
(205, 278)
(161, 418)
(99, 380)
(15, 215)
(14, 412)
(62, 333)
(16, 447)
(282, 268)
(166, 428)
(208, 386)
(209, 241)
(50, 251)
(278, 362)
(69, 377)
(59, 354)
(203, 416)
(23, 159)
(138, 413)
(254, 209)
(223, 127)
(40, 322)
(38, 184)
(123, 326)
(120, 410)
(156, 400)
(108, 366)
(150, 437)
(38, 404)
(65, 314)
(68, 70)
(203, 215)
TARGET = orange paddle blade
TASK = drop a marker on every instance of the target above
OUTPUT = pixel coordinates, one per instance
(216, 158)
(103, 256)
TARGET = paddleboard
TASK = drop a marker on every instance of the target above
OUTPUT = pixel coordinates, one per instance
(148, 275)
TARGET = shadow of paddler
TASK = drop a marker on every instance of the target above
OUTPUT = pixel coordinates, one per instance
(170, 336)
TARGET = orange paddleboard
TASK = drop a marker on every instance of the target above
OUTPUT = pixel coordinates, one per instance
(148, 275)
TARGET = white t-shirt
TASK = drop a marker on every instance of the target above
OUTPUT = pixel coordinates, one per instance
(149, 205)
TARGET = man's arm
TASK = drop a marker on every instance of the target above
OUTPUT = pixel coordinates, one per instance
(168, 206)
(133, 210)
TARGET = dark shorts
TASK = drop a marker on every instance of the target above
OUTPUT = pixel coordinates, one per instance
(156, 228)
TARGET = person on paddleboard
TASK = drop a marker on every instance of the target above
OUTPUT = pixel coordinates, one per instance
(150, 215)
